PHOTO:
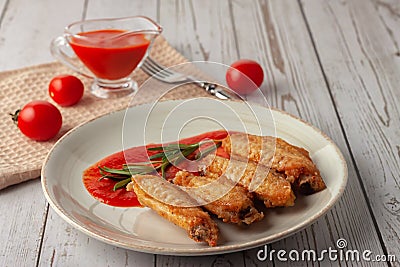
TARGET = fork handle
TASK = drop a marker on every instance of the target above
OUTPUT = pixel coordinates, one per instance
(213, 89)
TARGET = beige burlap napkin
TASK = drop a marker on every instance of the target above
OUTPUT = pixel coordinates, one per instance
(21, 158)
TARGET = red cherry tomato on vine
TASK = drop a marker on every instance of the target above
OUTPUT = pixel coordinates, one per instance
(38, 120)
(245, 76)
(66, 90)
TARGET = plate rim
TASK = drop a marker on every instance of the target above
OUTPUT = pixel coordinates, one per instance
(203, 250)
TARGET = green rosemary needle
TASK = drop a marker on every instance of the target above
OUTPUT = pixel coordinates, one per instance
(171, 154)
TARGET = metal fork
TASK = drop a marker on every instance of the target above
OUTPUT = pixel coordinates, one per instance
(164, 74)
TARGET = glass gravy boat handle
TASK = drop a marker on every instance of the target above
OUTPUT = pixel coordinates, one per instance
(62, 51)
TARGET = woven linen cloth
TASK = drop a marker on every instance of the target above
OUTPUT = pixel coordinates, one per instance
(21, 158)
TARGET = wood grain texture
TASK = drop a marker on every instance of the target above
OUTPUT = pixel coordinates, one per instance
(3, 10)
(27, 30)
(22, 216)
(363, 71)
(296, 84)
(207, 25)
(209, 33)
(121, 8)
(63, 245)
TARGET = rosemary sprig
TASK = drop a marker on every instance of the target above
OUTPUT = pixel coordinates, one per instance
(208, 150)
(123, 176)
(175, 153)
(171, 154)
(121, 184)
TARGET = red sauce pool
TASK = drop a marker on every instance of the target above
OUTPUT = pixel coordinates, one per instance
(103, 190)
(109, 56)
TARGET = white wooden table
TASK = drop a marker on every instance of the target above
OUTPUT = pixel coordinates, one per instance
(333, 63)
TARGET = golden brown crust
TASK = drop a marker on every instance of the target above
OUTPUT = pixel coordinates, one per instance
(293, 161)
(198, 223)
(230, 203)
(269, 186)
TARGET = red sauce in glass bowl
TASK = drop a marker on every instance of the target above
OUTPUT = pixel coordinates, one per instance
(110, 54)
(103, 190)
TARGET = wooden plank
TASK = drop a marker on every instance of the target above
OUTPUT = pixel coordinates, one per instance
(294, 82)
(121, 8)
(27, 30)
(357, 42)
(22, 215)
(63, 245)
(207, 28)
(3, 10)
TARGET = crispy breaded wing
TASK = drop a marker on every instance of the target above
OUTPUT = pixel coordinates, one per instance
(176, 206)
(293, 161)
(221, 197)
(269, 186)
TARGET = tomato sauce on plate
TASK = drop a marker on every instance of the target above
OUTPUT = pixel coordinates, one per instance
(111, 53)
(102, 189)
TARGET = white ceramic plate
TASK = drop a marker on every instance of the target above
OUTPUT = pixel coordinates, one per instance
(143, 230)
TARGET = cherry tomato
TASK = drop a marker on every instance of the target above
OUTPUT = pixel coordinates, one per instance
(38, 120)
(245, 76)
(66, 90)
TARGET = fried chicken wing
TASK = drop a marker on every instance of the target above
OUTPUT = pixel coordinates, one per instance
(176, 206)
(293, 161)
(221, 197)
(269, 186)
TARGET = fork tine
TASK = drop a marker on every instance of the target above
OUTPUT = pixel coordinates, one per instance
(158, 66)
(150, 70)
(153, 71)
(159, 72)
(156, 70)
(152, 63)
